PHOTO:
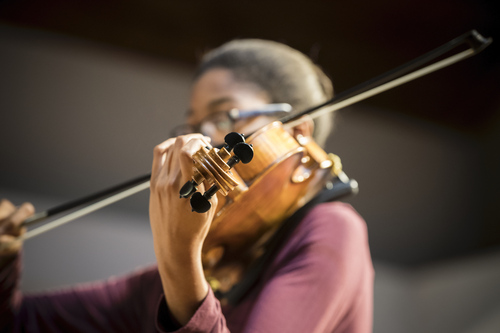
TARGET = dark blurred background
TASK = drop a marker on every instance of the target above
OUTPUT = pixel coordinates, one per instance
(89, 87)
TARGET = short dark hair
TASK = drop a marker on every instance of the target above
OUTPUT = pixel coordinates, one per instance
(285, 74)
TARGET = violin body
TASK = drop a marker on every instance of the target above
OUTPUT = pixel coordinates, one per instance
(284, 174)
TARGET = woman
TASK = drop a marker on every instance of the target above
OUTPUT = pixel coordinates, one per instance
(320, 281)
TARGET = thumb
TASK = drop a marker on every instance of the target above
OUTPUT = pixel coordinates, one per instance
(10, 245)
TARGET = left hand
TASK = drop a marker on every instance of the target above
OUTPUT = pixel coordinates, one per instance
(178, 233)
(172, 221)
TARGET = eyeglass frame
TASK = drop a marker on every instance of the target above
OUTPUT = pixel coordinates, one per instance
(233, 115)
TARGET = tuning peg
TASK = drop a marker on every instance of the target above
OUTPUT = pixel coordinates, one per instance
(200, 203)
(243, 152)
(188, 189)
(232, 139)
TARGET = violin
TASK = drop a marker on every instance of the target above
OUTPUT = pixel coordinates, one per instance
(290, 170)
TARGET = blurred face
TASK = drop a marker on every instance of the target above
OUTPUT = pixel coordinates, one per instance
(216, 92)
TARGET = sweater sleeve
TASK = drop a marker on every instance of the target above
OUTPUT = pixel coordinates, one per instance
(115, 305)
(321, 281)
(207, 318)
(9, 294)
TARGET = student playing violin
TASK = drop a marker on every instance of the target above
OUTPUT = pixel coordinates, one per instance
(320, 280)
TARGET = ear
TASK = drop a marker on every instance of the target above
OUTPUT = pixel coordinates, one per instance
(305, 128)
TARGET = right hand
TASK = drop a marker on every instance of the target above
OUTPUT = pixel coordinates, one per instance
(11, 219)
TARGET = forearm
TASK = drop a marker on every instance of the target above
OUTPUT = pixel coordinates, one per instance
(184, 284)
(9, 284)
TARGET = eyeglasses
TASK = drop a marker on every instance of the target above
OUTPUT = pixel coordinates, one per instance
(223, 122)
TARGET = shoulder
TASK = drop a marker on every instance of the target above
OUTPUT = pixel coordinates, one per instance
(334, 224)
(327, 260)
(332, 239)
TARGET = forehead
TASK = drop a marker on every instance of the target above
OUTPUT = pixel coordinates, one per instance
(217, 90)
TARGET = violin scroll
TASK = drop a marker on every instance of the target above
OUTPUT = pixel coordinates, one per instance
(213, 165)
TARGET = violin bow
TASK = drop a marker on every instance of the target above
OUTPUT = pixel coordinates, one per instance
(391, 79)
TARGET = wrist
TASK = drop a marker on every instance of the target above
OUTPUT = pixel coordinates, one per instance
(177, 262)
(8, 258)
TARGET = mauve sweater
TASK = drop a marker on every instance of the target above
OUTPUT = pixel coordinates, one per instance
(320, 281)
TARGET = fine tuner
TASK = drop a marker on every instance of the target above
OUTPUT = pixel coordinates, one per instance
(213, 165)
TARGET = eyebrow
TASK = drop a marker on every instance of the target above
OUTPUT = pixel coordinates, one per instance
(215, 103)
(212, 106)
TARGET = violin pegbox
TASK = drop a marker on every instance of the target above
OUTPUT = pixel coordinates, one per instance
(213, 166)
